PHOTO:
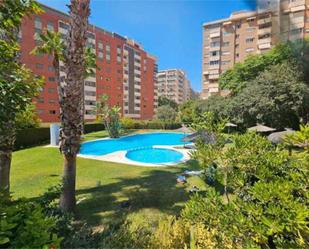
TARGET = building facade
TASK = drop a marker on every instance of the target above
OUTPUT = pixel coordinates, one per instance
(125, 71)
(231, 40)
(174, 85)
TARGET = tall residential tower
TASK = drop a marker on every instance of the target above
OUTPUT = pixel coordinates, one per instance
(126, 72)
(231, 40)
(174, 84)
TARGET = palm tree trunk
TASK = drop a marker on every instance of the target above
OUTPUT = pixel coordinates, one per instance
(71, 99)
(67, 200)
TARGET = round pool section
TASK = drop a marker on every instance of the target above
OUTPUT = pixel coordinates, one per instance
(138, 141)
(155, 155)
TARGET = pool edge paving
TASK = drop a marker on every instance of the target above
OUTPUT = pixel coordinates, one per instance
(120, 157)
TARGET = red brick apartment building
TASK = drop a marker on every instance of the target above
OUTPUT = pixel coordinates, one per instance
(126, 73)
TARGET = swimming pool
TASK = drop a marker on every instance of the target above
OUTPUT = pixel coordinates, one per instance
(155, 155)
(127, 143)
(146, 140)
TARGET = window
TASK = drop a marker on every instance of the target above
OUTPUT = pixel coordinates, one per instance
(107, 48)
(100, 45)
(64, 25)
(90, 35)
(51, 101)
(100, 55)
(215, 44)
(225, 62)
(238, 25)
(215, 53)
(118, 50)
(90, 93)
(51, 90)
(37, 23)
(118, 59)
(249, 50)
(296, 31)
(40, 111)
(237, 46)
(214, 62)
(108, 57)
(50, 68)
(51, 79)
(52, 112)
(249, 40)
(225, 44)
(89, 102)
(89, 83)
(40, 100)
(39, 66)
(50, 26)
(250, 29)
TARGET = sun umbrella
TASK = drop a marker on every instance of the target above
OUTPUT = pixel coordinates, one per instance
(204, 136)
(277, 137)
(261, 128)
(184, 129)
(230, 125)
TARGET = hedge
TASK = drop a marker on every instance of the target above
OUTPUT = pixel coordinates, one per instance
(93, 127)
(32, 136)
(128, 123)
(36, 136)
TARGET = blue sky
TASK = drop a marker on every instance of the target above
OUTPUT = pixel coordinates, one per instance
(169, 29)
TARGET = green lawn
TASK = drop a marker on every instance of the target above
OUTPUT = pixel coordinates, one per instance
(102, 186)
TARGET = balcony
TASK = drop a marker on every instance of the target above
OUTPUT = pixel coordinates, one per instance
(264, 31)
(213, 76)
(297, 3)
(215, 35)
(264, 46)
(264, 40)
(211, 67)
(214, 58)
(264, 20)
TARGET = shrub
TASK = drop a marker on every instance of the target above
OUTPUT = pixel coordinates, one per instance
(23, 224)
(128, 123)
(92, 127)
(30, 137)
(27, 118)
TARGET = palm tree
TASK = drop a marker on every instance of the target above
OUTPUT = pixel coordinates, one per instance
(78, 62)
(71, 99)
(52, 44)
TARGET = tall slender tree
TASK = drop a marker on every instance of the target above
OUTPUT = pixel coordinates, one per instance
(71, 99)
(18, 85)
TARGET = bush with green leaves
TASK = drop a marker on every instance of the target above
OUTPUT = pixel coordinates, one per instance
(23, 224)
(166, 114)
(27, 118)
(110, 116)
(277, 97)
(266, 189)
(240, 76)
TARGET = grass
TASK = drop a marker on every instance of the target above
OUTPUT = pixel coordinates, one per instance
(102, 186)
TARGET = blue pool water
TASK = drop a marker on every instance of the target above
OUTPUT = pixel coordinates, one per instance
(154, 155)
(138, 141)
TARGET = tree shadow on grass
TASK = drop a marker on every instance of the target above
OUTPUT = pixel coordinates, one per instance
(156, 189)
